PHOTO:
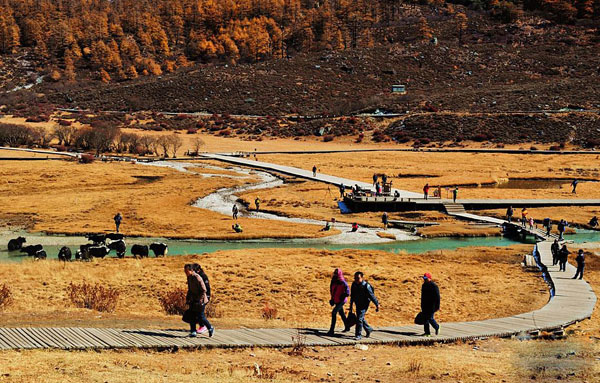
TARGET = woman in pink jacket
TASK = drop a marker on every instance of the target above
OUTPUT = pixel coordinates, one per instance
(339, 291)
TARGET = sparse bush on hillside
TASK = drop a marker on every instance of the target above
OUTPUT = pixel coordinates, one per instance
(173, 301)
(6, 298)
(95, 297)
(269, 312)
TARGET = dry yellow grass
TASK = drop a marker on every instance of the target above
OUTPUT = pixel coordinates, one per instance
(475, 284)
(67, 197)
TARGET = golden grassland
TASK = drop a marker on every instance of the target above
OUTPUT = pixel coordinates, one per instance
(573, 359)
(475, 284)
(68, 197)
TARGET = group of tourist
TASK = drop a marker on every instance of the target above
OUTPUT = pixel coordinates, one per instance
(547, 222)
(361, 295)
(560, 256)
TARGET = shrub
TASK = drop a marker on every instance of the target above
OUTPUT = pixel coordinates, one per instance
(86, 158)
(192, 131)
(212, 308)
(480, 137)
(269, 312)
(298, 343)
(555, 148)
(328, 138)
(173, 301)
(65, 122)
(6, 298)
(95, 297)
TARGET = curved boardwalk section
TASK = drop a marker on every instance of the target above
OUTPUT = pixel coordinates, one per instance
(573, 301)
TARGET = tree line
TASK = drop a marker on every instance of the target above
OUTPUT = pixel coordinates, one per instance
(120, 39)
(99, 139)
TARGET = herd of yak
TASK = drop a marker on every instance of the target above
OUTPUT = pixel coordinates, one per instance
(101, 245)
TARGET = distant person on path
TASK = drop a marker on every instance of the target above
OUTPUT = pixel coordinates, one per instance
(561, 229)
(430, 303)
(580, 259)
(509, 213)
(327, 226)
(594, 221)
(555, 248)
(314, 171)
(196, 298)
(354, 227)
(235, 211)
(362, 295)
(524, 213)
(377, 189)
(257, 203)
(339, 292)
(342, 190)
(548, 226)
(574, 185)
(384, 179)
(531, 223)
(455, 193)
(426, 191)
(118, 218)
(384, 220)
(375, 179)
(237, 228)
(563, 257)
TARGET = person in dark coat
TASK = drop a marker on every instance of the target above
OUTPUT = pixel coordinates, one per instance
(580, 264)
(342, 190)
(385, 220)
(430, 303)
(339, 292)
(362, 295)
(563, 256)
(314, 169)
(509, 213)
(118, 218)
(555, 248)
(235, 211)
(574, 185)
(455, 194)
(561, 228)
(197, 298)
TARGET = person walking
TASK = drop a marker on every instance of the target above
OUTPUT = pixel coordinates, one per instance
(118, 219)
(314, 169)
(563, 256)
(531, 222)
(196, 298)
(198, 269)
(574, 185)
(548, 226)
(342, 190)
(561, 229)
(339, 292)
(509, 213)
(361, 295)
(430, 303)
(555, 248)
(426, 191)
(384, 220)
(454, 194)
(235, 211)
(384, 179)
(524, 213)
(375, 179)
(257, 203)
(580, 259)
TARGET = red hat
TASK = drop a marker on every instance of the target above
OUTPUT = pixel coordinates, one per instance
(427, 276)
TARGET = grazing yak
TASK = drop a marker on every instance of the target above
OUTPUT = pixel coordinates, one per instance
(16, 243)
(139, 251)
(97, 251)
(119, 246)
(82, 253)
(97, 239)
(41, 254)
(64, 254)
(115, 236)
(159, 249)
(31, 250)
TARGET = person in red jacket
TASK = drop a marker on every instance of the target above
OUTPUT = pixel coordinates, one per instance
(339, 291)
(426, 191)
